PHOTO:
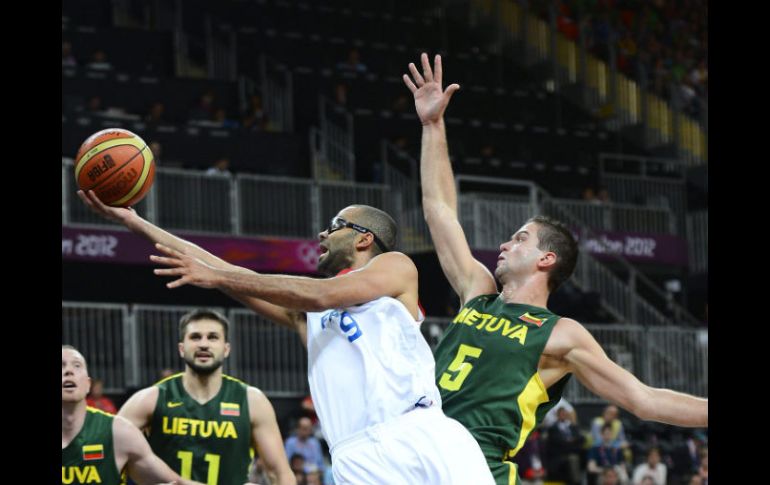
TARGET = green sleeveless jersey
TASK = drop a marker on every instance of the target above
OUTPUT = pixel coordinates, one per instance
(486, 370)
(211, 442)
(90, 457)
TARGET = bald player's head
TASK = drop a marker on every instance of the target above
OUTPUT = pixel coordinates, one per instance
(75, 382)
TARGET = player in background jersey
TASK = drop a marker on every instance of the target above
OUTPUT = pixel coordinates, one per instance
(202, 422)
(370, 371)
(505, 358)
(97, 446)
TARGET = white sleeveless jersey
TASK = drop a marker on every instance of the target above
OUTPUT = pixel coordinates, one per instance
(366, 365)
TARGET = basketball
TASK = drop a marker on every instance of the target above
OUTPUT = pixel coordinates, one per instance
(117, 165)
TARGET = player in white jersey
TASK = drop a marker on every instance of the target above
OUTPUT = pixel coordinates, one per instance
(371, 373)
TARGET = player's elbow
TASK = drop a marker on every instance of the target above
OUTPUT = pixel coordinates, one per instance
(642, 404)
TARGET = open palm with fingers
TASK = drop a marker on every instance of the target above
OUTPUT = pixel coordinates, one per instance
(430, 99)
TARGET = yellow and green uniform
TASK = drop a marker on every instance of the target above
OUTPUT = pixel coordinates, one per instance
(210, 442)
(486, 370)
(90, 457)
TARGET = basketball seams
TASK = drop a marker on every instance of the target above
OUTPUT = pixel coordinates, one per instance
(139, 185)
(106, 145)
(118, 168)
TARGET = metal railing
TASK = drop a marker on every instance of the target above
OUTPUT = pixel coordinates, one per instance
(127, 347)
(102, 333)
(299, 208)
(277, 94)
(332, 143)
(698, 241)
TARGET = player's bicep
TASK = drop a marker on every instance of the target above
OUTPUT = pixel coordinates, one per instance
(266, 436)
(141, 464)
(595, 370)
(390, 274)
(138, 408)
(467, 276)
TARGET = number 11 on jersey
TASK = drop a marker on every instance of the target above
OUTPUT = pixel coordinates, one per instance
(454, 382)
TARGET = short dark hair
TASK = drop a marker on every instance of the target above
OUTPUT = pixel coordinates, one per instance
(380, 223)
(554, 236)
(203, 314)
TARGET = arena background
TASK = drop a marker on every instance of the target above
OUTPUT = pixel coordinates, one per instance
(556, 98)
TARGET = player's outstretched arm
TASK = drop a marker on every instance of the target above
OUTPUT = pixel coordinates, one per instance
(267, 437)
(133, 451)
(590, 364)
(135, 223)
(390, 274)
(468, 277)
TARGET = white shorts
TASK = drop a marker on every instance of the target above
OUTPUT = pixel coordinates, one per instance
(423, 446)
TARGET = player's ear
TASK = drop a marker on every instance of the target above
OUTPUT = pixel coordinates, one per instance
(180, 345)
(227, 349)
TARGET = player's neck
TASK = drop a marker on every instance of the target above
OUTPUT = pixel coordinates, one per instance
(202, 388)
(73, 415)
(528, 293)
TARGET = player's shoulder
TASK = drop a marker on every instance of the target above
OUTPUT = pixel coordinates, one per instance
(567, 334)
(146, 397)
(394, 260)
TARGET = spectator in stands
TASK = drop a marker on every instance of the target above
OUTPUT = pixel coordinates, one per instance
(308, 411)
(652, 468)
(528, 459)
(67, 59)
(352, 63)
(163, 372)
(304, 443)
(589, 195)
(605, 455)
(220, 168)
(609, 476)
(258, 473)
(99, 61)
(609, 416)
(551, 416)
(205, 108)
(94, 106)
(603, 196)
(255, 118)
(155, 115)
(97, 399)
(696, 480)
(341, 94)
(297, 465)
(221, 120)
(564, 448)
(312, 475)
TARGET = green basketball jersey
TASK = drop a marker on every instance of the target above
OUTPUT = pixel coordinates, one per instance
(90, 457)
(211, 442)
(486, 370)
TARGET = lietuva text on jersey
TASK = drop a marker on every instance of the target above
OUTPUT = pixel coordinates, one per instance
(80, 474)
(198, 427)
(492, 323)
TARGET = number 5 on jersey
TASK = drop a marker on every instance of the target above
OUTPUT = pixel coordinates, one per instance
(454, 382)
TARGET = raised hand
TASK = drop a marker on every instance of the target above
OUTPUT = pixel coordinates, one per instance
(429, 98)
(191, 270)
(115, 214)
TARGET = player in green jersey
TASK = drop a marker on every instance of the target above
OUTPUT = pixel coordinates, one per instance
(98, 446)
(202, 422)
(505, 358)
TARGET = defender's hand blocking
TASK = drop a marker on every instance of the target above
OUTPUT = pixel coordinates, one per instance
(429, 99)
(115, 214)
(190, 270)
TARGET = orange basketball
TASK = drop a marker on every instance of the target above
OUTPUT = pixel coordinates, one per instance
(117, 165)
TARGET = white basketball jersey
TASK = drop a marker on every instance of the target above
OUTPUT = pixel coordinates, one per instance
(367, 364)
